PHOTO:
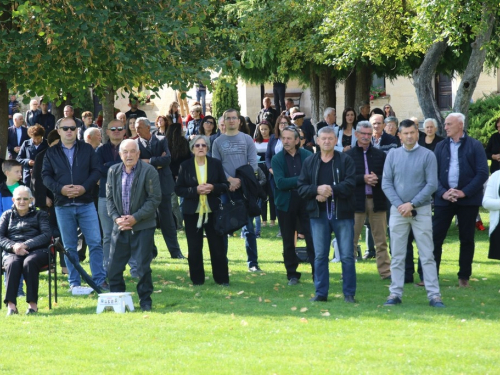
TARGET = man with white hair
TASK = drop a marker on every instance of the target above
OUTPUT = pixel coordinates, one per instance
(462, 171)
(267, 112)
(329, 119)
(17, 134)
(134, 220)
(154, 150)
(92, 136)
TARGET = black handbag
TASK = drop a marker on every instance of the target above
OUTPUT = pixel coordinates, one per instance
(230, 217)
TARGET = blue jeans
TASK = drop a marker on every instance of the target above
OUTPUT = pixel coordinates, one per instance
(69, 218)
(202, 95)
(248, 232)
(321, 229)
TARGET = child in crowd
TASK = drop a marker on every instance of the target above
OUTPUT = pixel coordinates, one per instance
(13, 171)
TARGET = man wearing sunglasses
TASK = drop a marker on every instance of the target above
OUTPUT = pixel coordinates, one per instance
(70, 170)
(108, 155)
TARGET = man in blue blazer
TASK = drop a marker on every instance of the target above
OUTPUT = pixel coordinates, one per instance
(462, 172)
(17, 134)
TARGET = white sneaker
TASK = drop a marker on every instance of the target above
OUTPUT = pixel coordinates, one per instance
(335, 260)
(78, 290)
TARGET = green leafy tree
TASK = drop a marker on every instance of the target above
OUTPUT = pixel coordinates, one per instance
(65, 46)
(225, 96)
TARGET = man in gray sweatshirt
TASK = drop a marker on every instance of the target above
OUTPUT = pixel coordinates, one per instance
(235, 149)
(409, 179)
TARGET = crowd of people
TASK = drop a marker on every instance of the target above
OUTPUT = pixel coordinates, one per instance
(402, 184)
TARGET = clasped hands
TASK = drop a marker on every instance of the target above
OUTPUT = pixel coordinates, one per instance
(371, 179)
(20, 249)
(453, 195)
(73, 191)
(234, 183)
(204, 189)
(125, 222)
(405, 209)
(324, 192)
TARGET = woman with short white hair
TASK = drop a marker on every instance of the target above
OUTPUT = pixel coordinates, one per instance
(431, 139)
(24, 238)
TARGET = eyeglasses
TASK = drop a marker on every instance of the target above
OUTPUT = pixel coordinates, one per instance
(302, 138)
(114, 129)
(209, 122)
(66, 128)
(234, 118)
(202, 145)
(22, 199)
(365, 134)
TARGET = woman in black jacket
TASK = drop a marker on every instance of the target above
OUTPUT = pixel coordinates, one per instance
(201, 181)
(493, 149)
(24, 237)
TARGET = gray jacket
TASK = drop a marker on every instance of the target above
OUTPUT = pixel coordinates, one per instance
(145, 194)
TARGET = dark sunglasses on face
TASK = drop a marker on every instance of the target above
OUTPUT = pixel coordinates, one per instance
(113, 129)
(198, 145)
(66, 128)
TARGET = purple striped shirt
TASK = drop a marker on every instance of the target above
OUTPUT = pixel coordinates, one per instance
(127, 179)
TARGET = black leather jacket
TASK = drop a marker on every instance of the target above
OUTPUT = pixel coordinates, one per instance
(32, 229)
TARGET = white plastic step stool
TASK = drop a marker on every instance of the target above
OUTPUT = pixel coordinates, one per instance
(118, 301)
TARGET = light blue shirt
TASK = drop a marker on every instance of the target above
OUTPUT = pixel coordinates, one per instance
(454, 170)
(69, 152)
(19, 133)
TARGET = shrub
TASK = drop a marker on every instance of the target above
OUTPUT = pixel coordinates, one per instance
(482, 117)
(225, 97)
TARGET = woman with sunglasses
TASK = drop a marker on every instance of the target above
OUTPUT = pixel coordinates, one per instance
(303, 141)
(388, 111)
(274, 146)
(24, 238)
(201, 181)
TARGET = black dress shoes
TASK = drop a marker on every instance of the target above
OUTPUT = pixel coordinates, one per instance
(349, 299)
(318, 299)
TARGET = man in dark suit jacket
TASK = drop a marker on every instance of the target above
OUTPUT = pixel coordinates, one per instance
(17, 135)
(382, 140)
(154, 150)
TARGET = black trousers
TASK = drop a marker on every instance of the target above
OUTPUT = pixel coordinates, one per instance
(27, 265)
(167, 225)
(443, 216)
(289, 223)
(279, 90)
(216, 247)
(123, 245)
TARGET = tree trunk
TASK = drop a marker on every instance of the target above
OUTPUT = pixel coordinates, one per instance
(4, 117)
(327, 95)
(422, 80)
(474, 67)
(314, 87)
(58, 110)
(108, 111)
(350, 91)
(362, 86)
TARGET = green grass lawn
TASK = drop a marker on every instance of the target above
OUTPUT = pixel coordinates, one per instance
(259, 325)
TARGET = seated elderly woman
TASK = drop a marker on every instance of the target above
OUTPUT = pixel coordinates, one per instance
(24, 238)
(200, 182)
